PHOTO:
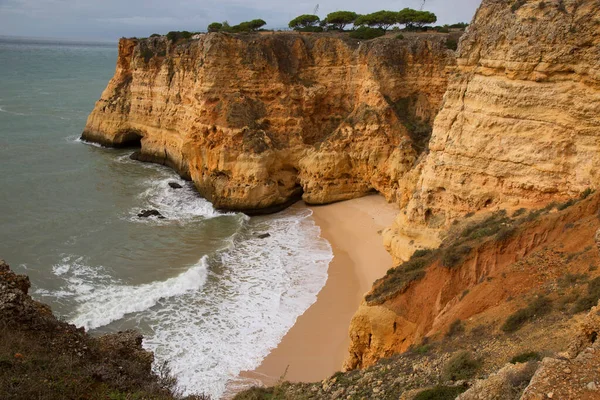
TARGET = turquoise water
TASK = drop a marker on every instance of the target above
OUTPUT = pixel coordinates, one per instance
(210, 297)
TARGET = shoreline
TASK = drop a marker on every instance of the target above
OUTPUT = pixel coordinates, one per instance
(316, 346)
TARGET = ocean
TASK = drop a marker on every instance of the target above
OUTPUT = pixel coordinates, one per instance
(210, 297)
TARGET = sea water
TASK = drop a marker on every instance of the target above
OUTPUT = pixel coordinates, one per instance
(210, 296)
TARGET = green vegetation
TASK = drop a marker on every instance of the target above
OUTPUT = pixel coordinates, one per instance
(461, 366)
(175, 36)
(455, 328)
(414, 19)
(398, 279)
(526, 357)
(451, 44)
(215, 27)
(305, 21)
(441, 393)
(455, 255)
(366, 33)
(590, 299)
(380, 19)
(517, 4)
(247, 26)
(540, 306)
(340, 19)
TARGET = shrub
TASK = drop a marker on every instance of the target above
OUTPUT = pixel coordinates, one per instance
(566, 205)
(366, 33)
(517, 4)
(310, 29)
(520, 379)
(422, 253)
(540, 306)
(525, 357)
(461, 366)
(488, 227)
(460, 25)
(591, 299)
(175, 36)
(424, 349)
(585, 194)
(454, 255)
(215, 27)
(400, 36)
(519, 212)
(451, 44)
(155, 35)
(398, 279)
(455, 328)
(440, 393)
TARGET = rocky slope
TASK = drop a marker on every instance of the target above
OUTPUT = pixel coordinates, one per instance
(482, 267)
(258, 120)
(44, 358)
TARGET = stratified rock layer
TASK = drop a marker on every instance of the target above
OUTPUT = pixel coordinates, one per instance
(520, 124)
(258, 120)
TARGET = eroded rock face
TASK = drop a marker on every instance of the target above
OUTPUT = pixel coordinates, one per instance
(520, 124)
(258, 120)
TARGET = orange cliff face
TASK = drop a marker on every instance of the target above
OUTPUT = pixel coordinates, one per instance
(520, 122)
(258, 120)
(520, 125)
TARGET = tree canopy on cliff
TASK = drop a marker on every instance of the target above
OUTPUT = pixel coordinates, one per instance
(247, 26)
(215, 27)
(340, 19)
(381, 19)
(304, 21)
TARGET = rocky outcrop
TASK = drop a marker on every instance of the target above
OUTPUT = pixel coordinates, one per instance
(258, 120)
(520, 124)
(42, 357)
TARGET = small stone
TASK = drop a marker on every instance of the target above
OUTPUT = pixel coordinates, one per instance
(567, 370)
(376, 390)
(592, 386)
(550, 395)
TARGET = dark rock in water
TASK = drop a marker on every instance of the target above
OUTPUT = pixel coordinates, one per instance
(175, 185)
(150, 213)
(264, 235)
(135, 156)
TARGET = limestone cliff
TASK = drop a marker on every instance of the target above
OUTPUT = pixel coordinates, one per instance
(257, 120)
(520, 124)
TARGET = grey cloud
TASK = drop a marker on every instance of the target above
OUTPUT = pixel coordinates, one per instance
(110, 19)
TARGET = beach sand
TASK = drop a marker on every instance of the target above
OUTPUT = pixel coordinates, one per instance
(316, 346)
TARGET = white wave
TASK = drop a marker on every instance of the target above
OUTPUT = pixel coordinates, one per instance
(102, 306)
(94, 144)
(264, 286)
(174, 204)
(11, 112)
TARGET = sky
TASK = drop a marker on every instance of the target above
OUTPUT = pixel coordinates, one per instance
(111, 19)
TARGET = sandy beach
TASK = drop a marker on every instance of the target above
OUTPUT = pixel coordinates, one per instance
(316, 346)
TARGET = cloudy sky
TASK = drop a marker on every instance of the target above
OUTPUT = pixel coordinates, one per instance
(111, 19)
